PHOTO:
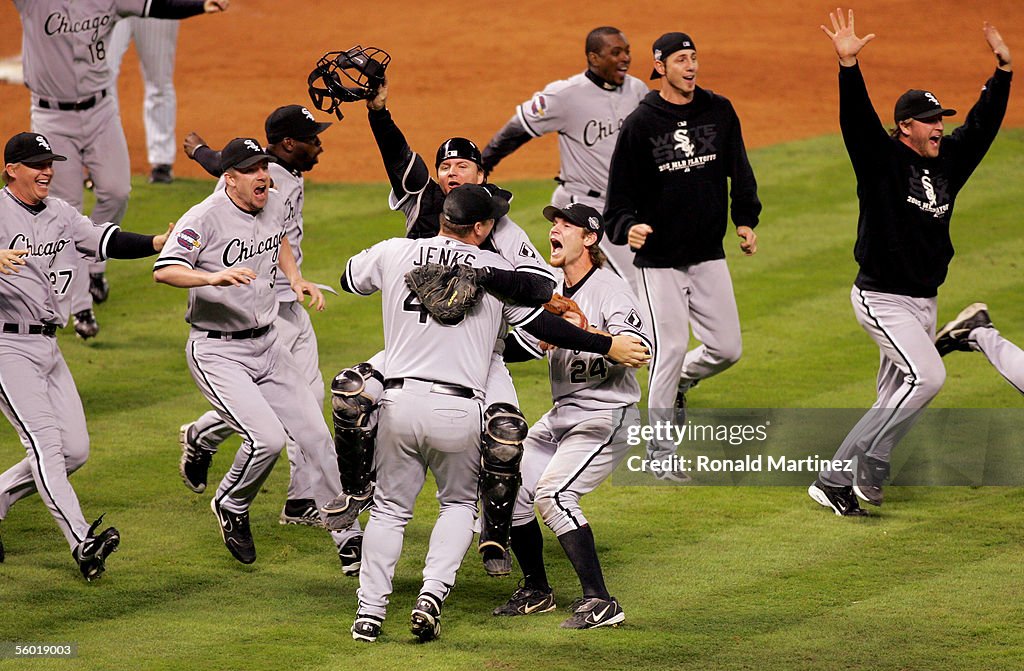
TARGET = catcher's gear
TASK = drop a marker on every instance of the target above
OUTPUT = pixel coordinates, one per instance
(501, 450)
(560, 305)
(355, 393)
(458, 147)
(446, 292)
(363, 71)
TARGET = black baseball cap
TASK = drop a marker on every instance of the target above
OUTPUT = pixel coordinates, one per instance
(580, 215)
(918, 104)
(458, 147)
(668, 44)
(241, 153)
(294, 121)
(30, 148)
(469, 203)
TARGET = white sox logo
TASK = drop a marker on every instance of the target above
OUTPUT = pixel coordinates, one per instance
(683, 143)
(685, 149)
(43, 143)
(252, 145)
(929, 96)
(306, 113)
(929, 192)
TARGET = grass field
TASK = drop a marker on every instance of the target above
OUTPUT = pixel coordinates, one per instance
(710, 578)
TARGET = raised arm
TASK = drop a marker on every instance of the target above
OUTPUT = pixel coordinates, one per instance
(844, 39)
(999, 48)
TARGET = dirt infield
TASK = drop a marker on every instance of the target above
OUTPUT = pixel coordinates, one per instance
(462, 73)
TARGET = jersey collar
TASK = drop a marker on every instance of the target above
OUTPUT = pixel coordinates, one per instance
(32, 209)
(602, 83)
(569, 291)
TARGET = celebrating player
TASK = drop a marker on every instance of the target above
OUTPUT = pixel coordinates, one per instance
(580, 441)
(668, 194)
(972, 330)
(230, 251)
(907, 183)
(46, 237)
(586, 111)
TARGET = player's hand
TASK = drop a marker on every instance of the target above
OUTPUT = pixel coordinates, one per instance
(160, 240)
(545, 346)
(379, 101)
(999, 48)
(191, 143)
(844, 39)
(10, 259)
(212, 6)
(638, 235)
(231, 277)
(628, 351)
(748, 243)
(316, 297)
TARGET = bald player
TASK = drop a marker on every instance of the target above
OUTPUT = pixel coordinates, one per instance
(64, 48)
(231, 251)
(37, 392)
(586, 110)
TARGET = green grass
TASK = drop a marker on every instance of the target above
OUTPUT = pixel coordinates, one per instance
(710, 578)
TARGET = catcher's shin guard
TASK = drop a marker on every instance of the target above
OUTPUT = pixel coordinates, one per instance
(355, 393)
(501, 450)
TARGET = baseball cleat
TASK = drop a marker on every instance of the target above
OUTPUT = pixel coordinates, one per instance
(527, 601)
(234, 531)
(85, 324)
(300, 511)
(351, 555)
(426, 618)
(593, 613)
(841, 500)
(91, 554)
(366, 628)
(868, 475)
(954, 335)
(497, 561)
(98, 287)
(161, 174)
(195, 461)
(344, 509)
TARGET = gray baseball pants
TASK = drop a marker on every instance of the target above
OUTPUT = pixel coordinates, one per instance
(1006, 357)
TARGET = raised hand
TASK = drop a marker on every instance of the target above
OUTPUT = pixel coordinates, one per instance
(844, 39)
(999, 48)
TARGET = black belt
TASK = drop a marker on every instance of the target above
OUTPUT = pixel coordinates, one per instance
(435, 387)
(79, 106)
(590, 192)
(238, 335)
(31, 329)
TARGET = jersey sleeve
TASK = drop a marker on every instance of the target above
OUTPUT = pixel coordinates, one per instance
(529, 344)
(90, 238)
(543, 113)
(364, 272)
(512, 243)
(132, 7)
(184, 244)
(622, 317)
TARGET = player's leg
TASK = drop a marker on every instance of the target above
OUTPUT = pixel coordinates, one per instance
(715, 321)
(1006, 357)
(156, 43)
(117, 45)
(106, 157)
(501, 450)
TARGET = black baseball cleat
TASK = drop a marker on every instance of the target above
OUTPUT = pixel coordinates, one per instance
(91, 554)
(841, 500)
(868, 475)
(426, 618)
(194, 465)
(527, 601)
(344, 509)
(85, 324)
(99, 287)
(366, 628)
(497, 561)
(351, 555)
(300, 511)
(234, 530)
(954, 335)
(161, 174)
(593, 613)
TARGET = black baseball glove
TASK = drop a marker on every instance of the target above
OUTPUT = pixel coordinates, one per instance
(446, 292)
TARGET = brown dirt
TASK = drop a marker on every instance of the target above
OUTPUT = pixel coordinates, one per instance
(458, 72)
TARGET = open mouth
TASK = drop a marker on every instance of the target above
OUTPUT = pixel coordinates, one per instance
(556, 245)
(260, 190)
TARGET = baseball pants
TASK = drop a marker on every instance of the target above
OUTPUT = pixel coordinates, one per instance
(421, 429)
(673, 301)
(39, 397)
(568, 453)
(620, 257)
(1006, 357)
(910, 374)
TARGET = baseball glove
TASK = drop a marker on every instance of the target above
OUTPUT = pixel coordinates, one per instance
(567, 309)
(446, 292)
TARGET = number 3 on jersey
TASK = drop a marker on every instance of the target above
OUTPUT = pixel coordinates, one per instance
(581, 373)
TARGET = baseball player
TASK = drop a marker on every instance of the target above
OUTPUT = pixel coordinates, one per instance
(45, 237)
(678, 160)
(972, 330)
(231, 251)
(65, 46)
(586, 111)
(907, 183)
(293, 138)
(580, 441)
(156, 41)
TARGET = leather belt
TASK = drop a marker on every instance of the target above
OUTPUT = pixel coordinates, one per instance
(247, 334)
(590, 192)
(78, 106)
(435, 387)
(31, 329)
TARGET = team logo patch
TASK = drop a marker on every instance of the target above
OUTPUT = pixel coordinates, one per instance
(633, 319)
(252, 145)
(539, 105)
(43, 143)
(929, 96)
(526, 251)
(308, 114)
(190, 239)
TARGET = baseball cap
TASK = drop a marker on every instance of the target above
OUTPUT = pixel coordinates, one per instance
(241, 153)
(458, 147)
(918, 104)
(469, 203)
(29, 148)
(668, 44)
(580, 215)
(293, 121)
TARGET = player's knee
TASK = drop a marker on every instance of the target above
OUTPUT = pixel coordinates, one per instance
(559, 509)
(114, 194)
(76, 453)
(505, 429)
(930, 378)
(355, 394)
(726, 352)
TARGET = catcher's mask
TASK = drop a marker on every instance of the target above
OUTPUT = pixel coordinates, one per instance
(362, 68)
